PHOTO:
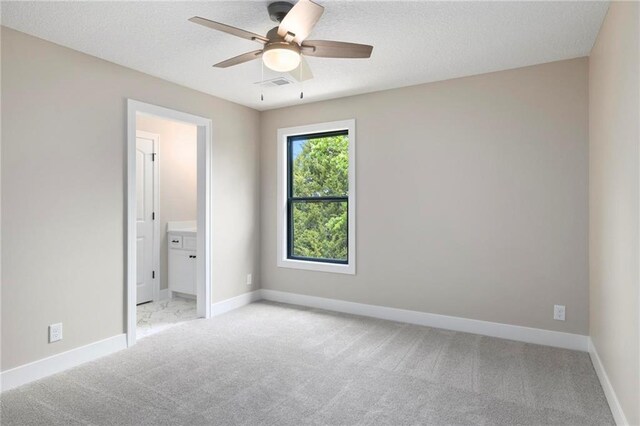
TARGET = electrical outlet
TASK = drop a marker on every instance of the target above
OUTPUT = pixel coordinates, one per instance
(558, 312)
(55, 332)
(249, 279)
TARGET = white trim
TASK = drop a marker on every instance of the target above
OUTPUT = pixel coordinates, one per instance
(227, 305)
(155, 138)
(163, 294)
(283, 262)
(56, 363)
(609, 392)
(485, 328)
(204, 219)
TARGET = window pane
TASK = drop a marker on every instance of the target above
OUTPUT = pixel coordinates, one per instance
(320, 166)
(320, 230)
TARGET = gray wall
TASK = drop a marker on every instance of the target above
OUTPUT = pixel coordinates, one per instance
(63, 192)
(614, 176)
(472, 197)
(178, 170)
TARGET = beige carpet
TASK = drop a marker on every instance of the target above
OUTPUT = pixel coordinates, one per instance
(273, 364)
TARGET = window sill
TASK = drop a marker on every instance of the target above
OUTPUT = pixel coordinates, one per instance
(335, 268)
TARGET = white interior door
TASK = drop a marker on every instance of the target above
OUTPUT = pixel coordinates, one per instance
(145, 215)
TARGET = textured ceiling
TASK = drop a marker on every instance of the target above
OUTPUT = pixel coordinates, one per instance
(414, 42)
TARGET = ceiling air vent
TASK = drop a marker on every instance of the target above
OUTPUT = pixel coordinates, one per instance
(274, 82)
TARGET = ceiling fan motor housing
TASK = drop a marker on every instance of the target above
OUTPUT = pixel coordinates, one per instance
(278, 10)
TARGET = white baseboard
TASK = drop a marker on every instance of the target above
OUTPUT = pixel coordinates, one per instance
(485, 328)
(56, 363)
(609, 393)
(227, 305)
(164, 294)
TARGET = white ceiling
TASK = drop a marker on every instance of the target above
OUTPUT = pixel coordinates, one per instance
(414, 42)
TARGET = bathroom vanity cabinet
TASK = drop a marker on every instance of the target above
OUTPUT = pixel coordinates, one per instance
(182, 262)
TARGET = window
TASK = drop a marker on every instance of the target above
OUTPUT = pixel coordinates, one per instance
(316, 192)
(318, 197)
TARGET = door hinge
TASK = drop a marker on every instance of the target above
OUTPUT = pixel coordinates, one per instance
(153, 156)
(153, 216)
(153, 274)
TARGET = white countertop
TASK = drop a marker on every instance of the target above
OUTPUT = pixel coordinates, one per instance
(188, 226)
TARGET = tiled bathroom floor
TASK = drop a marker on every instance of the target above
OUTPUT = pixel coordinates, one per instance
(157, 316)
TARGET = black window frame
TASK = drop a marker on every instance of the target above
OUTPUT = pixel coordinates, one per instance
(291, 200)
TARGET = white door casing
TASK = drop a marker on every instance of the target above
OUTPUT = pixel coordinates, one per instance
(205, 208)
(146, 240)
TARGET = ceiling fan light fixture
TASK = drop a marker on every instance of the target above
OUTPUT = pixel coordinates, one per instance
(281, 57)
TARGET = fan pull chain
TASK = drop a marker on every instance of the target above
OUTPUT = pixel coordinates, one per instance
(262, 80)
(301, 81)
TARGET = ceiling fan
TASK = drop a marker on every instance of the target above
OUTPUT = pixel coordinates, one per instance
(284, 45)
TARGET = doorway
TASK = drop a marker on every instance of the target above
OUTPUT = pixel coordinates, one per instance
(146, 283)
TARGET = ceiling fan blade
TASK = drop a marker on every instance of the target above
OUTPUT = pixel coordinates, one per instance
(300, 20)
(240, 59)
(229, 29)
(335, 49)
(303, 72)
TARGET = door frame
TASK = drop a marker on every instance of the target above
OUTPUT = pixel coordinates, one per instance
(156, 208)
(204, 208)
